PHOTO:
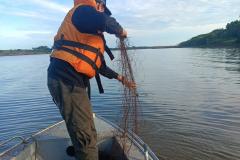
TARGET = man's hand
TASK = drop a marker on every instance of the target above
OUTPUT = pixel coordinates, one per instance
(129, 84)
(124, 33)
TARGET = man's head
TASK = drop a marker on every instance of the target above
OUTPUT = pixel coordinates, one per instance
(89, 2)
(101, 1)
(102, 7)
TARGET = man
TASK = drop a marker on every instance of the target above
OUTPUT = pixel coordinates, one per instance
(77, 56)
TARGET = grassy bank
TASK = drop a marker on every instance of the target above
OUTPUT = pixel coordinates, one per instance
(219, 38)
(46, 50)
(19, 52)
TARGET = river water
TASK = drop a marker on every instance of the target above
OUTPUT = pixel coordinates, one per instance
(190, 100)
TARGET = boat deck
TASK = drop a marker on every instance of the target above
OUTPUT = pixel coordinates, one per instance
(52, 142)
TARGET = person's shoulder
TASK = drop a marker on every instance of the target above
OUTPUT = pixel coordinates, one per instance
(85, 8)
(87, 11)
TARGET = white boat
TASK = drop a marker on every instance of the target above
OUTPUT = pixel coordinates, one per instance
(52, 143)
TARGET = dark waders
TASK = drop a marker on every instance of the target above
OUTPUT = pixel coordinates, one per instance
(76, 110)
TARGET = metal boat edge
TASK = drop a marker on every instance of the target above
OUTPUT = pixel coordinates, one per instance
(136, 140)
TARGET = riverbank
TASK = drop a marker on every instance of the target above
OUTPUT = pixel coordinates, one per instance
(219, 38)
(19, 52)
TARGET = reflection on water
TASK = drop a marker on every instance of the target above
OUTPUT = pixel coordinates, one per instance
(189, 98)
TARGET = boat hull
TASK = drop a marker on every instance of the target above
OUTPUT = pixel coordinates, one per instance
(52, 142)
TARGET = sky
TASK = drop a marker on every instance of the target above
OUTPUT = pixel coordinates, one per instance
(25, 24)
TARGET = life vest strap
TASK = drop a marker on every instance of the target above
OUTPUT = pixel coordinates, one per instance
(89, 90)
(62, 42)
(99, 83)
(109, 52)
(59, 46)
(81, 56)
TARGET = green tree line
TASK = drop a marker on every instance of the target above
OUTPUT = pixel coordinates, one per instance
(229, 37)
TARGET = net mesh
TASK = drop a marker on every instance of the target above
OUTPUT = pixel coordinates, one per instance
(129, 117)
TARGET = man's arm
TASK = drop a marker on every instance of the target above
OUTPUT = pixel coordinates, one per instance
(112, 26)
(108, 72)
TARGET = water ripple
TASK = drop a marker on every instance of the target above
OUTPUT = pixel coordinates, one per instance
(189, 101)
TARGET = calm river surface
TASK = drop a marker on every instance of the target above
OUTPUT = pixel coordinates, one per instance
(190, 100)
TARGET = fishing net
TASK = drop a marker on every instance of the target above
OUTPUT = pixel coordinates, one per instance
(129, 117)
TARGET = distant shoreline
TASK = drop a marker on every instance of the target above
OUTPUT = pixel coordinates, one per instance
(228, 37)
(19, 52)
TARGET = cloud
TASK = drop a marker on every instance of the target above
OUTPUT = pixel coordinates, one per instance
(152, 22)
(50, 5)
(37, 9)
(25, 39)
(24, 34)
(174, 20)
(175, 12)
(164, 36)
(29, 14)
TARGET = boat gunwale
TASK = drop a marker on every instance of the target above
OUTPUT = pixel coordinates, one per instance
(30, 139)
(132, 136)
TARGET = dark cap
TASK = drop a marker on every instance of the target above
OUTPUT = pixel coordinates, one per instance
(107, 11)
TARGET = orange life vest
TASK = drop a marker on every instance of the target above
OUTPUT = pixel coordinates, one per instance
(83, 51)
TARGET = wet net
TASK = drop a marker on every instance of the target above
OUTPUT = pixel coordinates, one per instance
(129, 117)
